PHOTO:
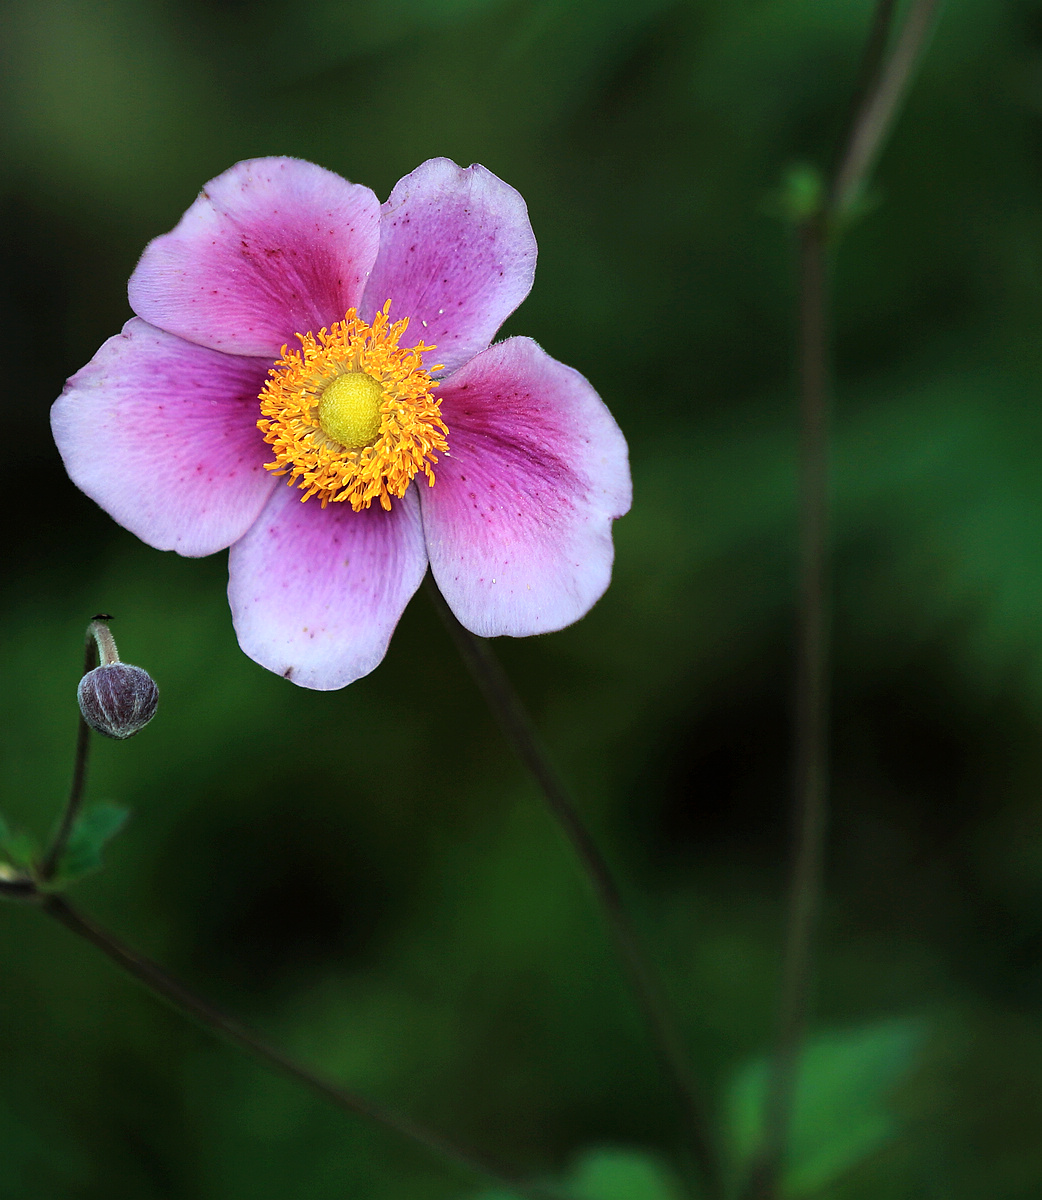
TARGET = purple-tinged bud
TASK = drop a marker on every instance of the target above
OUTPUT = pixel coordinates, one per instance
(117, 700)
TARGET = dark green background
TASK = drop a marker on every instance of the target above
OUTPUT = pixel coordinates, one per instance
(367, 875)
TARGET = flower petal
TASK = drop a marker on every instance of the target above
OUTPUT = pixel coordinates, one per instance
(316, 592)
(518, 522)
(457, 256)
(163, 435)
(271, 248)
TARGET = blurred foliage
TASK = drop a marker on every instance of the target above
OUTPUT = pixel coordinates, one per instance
(93, 829)
(841, 1106)
(612, 1174)
(368, 876)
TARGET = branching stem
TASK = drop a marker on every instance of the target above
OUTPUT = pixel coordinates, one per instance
(164, 985)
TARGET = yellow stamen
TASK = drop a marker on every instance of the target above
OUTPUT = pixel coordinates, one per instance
(351, 415)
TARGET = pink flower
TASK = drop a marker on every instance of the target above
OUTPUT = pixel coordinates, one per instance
(283, 336)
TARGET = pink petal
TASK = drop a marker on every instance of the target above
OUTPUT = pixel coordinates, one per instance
(163, 435)
(271, 248)
(316, 592)
(518, 522)
(457, 256)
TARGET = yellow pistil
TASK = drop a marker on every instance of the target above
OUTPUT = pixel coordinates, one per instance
(351, 415)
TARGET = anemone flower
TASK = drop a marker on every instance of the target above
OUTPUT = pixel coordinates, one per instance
(309, 381)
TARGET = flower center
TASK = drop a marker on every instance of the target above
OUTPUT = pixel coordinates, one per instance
(349, 410)
(350, 415)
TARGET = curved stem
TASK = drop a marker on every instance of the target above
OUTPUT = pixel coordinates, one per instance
(516, 724)
(164, 985)
(161, 983)
(73, 805)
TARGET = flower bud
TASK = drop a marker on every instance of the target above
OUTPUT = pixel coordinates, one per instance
(117, 699)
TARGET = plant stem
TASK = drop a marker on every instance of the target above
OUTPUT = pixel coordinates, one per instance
(520, 731)
(873, 56)
(73, 805)
(885, 82)
(875, 116)
(812, 713)
(164, 985)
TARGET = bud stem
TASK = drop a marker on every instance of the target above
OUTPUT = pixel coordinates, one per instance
(99, 643)
(102, 635)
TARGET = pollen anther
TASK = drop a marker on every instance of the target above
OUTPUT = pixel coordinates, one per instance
(351, 415)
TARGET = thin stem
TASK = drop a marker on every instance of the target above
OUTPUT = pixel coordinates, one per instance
(158, 981)
(73, 805)
(872, 59)
(164, 985)
(874, 118)
(812, 711)
(106, 643)
(516, 724)
(885, 82)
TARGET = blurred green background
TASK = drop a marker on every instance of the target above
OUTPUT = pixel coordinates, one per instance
(367, 875)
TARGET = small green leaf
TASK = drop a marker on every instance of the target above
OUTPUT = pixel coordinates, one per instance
(609, 1173)
(800, 196)
(840, 1114)
(613, 1174)
(92, 831)
(21, 849)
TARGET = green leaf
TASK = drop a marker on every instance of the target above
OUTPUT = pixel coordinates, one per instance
(21, 849)
(841, 1114)
(613, 1174)
(609, 1173)
(92, 831)
(16, 854)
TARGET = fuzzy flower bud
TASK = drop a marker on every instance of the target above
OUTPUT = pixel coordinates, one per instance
(116, 699)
